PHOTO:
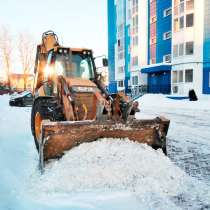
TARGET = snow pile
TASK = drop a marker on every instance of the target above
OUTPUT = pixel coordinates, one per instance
(159, 100)
(115, 165)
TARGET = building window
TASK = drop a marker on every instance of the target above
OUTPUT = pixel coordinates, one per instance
(135, 80)
(175, 50)
(175, 77)
(176, 11)
(189, 75)
(167, 12)
(181, 22)
(167, 35)
(167, 58)
(181, 49)
(189, 48)
(135, 24)
(209, 79)
(135, 61)
(176, 25)
(152, 60)
(190, 20)
(181, 7)
(180, 76)
(135, 40)
(135, 6)
(175, 89)
(120, 29)
(176, 2)
(121, 69)
(153, 40)
(153, 19)
(121, 83)
(190, 5)
(121, 55)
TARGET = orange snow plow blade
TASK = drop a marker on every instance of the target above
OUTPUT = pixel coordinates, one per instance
(59, 137)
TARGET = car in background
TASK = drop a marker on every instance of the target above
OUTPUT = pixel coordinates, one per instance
(4, 90)
(21, 99)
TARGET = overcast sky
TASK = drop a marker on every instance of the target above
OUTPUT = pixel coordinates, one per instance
(78, 23)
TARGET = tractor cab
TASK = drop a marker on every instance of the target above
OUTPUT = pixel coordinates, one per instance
(70, 63)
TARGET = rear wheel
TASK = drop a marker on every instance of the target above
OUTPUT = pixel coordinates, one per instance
(43, 109)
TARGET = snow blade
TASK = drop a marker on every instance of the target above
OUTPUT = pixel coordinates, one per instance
(58, 137)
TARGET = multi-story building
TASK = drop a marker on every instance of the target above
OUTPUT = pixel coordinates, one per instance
(191, 46)
(139, 46)
(119, 44)
(164, 44)
(159, 46)
(111, 44)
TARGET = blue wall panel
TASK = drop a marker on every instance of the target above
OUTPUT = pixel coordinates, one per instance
(127, 57)
(112, 30)
(206, 79)
(163, 25)
(206, 50)
(112, 87)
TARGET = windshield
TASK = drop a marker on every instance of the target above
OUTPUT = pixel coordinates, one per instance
(76, 65)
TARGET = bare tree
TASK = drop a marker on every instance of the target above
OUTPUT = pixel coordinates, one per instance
(6, 51)
(26, 47)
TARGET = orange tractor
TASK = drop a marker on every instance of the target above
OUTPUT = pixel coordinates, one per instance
(72, 106)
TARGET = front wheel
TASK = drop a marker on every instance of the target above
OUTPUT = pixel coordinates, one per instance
(43, 109)
(37, 116)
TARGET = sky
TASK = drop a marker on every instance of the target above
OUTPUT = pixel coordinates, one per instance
(78, 23)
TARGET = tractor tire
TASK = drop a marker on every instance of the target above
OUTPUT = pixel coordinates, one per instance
(42, 110)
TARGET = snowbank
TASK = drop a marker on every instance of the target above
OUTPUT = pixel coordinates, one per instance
(159, 100)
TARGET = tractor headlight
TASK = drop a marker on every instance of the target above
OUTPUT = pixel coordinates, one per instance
(47, 72)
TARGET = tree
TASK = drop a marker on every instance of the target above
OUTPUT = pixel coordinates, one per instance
(6, 51)
(26, 48)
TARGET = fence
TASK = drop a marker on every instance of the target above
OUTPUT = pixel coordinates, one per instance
(136, 91)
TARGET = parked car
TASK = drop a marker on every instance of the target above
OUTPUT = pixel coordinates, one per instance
(4, 90)
(22, 99)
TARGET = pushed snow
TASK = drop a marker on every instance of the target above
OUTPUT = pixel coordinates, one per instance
(111, 165)
(108, 174)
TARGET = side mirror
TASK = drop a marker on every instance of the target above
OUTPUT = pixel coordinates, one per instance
(105, 62)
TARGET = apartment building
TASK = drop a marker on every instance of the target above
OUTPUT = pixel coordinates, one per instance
(191, 56)
(163, 44)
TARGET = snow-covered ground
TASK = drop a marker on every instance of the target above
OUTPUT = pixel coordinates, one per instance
(110, 174)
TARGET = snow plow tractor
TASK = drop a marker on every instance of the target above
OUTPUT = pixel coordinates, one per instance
(71, 104)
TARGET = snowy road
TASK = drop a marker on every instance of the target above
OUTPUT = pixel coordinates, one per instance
(189, 134)
(117, 175)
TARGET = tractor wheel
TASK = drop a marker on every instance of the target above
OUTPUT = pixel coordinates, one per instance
(42, 110)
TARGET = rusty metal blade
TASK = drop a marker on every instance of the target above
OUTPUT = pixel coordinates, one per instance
(58, 137)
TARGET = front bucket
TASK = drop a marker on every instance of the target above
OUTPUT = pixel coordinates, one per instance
(58, 137)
